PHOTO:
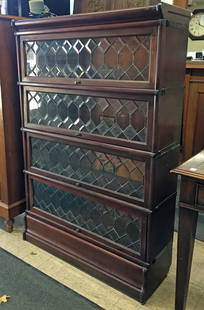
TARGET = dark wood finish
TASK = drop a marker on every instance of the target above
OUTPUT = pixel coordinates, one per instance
(151, 245)
(122, 23)
(156, 12)
(186, 239)
(193, 137)
(148, 29)
(162, 104)
(153, 177)
(12, 196)
(130, 278)
(121, 234)
(191, 202)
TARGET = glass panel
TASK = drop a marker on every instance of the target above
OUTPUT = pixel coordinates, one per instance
(114, 173)
(121, 118)
(111, 58)
(115, 225)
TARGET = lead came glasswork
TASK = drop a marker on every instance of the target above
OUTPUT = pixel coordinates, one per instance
(115, 225)
(121, 118)
(118, 174)
(111, 58)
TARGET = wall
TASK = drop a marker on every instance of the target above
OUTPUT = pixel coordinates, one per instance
(195, 46)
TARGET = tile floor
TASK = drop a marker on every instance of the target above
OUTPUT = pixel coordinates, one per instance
(100, 293)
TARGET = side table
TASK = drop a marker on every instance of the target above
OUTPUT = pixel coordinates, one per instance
(190, 203)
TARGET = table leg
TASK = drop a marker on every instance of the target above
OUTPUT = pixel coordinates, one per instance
(186, 237)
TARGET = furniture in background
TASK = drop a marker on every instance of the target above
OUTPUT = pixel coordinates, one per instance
(193, 116)
(87, 6)
(12, 194)
(190, 203)
(102, 102)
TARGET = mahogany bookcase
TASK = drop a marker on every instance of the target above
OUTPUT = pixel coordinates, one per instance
(102, 101)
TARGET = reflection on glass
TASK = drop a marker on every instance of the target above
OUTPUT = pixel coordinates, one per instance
(114, 173)
(120, 118)
(112, 224)
(111, 58)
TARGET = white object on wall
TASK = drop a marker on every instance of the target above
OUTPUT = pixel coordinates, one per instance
(3, 7)
(71, 7)
(168, 1)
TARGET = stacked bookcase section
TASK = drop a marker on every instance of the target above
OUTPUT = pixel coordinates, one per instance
(102, 107)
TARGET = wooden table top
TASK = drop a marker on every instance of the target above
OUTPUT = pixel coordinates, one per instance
(194, 167)
(195, 64)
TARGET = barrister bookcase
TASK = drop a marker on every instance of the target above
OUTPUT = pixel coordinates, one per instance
(102, 105)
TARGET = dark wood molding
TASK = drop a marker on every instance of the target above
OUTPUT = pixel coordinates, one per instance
(158, 12)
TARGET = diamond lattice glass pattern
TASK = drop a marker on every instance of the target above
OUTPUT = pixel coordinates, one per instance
(118, 174)
(117, 226)
(121, 118)
(111, 58)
